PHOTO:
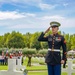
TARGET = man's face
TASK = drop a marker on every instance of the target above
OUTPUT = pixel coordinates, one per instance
(55, 29)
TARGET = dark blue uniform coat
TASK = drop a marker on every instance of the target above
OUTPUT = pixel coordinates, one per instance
(54, 42)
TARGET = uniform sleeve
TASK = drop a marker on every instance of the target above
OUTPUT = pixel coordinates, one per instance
(64, 49)
(42, 38)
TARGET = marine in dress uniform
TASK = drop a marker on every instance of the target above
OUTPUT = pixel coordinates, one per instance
(53, 57)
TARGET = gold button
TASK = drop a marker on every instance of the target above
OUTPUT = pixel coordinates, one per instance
(52, 49)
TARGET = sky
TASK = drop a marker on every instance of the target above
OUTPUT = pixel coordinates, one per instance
(35, 15)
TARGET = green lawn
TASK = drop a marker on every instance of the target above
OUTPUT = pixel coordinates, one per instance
(37, 73)
(40, 70)
(43, 73)
(3, 67)
(42, 67)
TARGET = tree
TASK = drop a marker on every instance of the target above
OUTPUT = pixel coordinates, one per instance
(34, 41)
(27, 38)
(16, 40)
(5, 39)
(42, 52)
(44, 45)
(1, 42)
(72, 41)
(29, 53)
(68, 41)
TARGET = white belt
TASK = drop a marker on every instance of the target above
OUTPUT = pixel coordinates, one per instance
(57, 50)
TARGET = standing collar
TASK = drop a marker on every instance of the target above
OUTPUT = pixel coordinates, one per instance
(55, 34)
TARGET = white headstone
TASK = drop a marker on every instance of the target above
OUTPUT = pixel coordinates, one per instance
(11, 64)
(11, 68)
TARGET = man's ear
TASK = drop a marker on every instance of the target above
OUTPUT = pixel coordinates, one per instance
(58, 28)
